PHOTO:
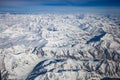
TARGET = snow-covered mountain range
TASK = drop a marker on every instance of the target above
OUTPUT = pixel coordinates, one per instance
(59, 46)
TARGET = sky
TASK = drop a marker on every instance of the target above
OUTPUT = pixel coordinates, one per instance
(27, 3)
(14, 5)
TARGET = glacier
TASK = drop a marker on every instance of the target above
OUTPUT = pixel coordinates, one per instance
(59, 46)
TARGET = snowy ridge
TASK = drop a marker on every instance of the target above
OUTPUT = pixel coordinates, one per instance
(56, 46)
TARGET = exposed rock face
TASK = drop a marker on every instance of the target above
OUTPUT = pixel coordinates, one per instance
(55, 47)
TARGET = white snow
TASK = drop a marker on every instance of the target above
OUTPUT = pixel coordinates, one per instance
(26, 40)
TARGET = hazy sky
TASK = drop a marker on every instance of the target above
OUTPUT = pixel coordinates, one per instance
(36, 6)
(27, 3)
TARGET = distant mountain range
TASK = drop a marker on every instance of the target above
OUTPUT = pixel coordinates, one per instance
(59, 46)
